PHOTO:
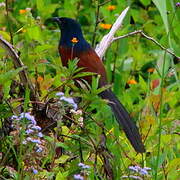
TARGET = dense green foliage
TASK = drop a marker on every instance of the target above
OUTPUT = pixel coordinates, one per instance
(142, 75)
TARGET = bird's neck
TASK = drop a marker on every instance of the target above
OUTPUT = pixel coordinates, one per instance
(79, 46)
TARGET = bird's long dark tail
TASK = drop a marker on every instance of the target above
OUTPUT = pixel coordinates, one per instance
(124, 120)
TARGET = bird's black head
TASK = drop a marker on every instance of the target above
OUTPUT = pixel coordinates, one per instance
(70, 29)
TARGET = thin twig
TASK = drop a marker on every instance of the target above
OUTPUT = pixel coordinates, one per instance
(18, 63)
(96, 24)
(147, 37)
(103, 3)
(115, 139)
(97, 19)
(8, 23)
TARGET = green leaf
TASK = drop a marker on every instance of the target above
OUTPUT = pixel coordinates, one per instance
(62, 176)
(34, 33)
(161, 5)
(143, 84)
(9, 75)
(83, 74)
(62, 159)
(146, 2)
(60, 144)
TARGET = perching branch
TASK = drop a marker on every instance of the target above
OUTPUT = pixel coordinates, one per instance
(147, 37)
(18, 63)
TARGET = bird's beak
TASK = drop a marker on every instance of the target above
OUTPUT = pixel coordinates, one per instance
(56, 19)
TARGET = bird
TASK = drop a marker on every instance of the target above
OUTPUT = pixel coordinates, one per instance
(73, 45)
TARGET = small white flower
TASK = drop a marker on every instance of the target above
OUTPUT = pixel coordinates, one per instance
(73, 111)
(28, 9)
(80, 119)
(29, 139)
(2, 4)
(24, 142)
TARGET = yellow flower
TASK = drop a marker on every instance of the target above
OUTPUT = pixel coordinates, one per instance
(111, 7)
(132, 81)
(22, 11)
(150, 70)
(74, 40)
(105, 26)
(24, 30)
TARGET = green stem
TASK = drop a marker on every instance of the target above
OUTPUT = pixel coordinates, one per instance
(160, 115)
(161, 105)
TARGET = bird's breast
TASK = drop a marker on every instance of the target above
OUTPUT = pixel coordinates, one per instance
(88, 60)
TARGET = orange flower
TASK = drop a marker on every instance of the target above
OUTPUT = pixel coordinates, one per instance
(40, 79)
(132, 81)
(74, 40)
(105, 26)
(111, 7)
(22, 11)
(150, 70)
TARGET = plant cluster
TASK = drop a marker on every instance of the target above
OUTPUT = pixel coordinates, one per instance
(60, 129)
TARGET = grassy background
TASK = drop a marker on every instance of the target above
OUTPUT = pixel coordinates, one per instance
(144, 77)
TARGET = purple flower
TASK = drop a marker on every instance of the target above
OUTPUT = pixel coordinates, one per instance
(67, 99)
(147, 168)
(138, 169)
(35, 171)
(28, 117)
(70, 101)
(78, 177)
(29, 131)
(38, 128)
(133, 177)
(33, 140)
(83, 166)
(40, 134)
(36, 141)
(143, 172)
(178, 4)
(134, 168)
(60, 94)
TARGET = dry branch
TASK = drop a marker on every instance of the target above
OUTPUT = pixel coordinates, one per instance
(107, 39)
(18, 63)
